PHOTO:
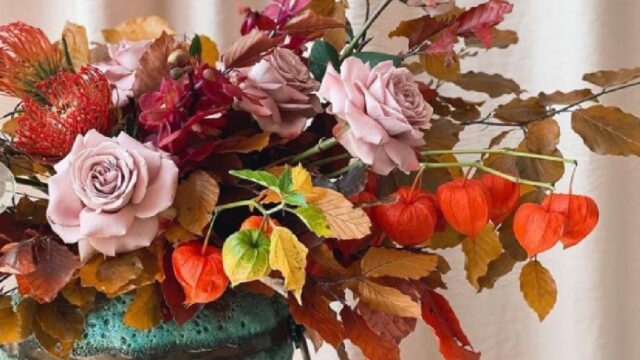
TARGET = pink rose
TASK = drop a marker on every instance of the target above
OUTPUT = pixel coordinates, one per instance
(434, 7)
(279, 93)
(120, 67)
(381, 113)
(107, 193)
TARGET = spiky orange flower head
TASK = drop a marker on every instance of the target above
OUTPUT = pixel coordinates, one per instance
(74, 103)
(26, 58)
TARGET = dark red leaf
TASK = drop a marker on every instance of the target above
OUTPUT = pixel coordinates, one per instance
(173, 294)
(372, 345)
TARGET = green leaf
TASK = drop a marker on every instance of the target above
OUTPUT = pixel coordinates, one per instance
(295, 199)
(285, 183)
(319, 57)
(245, 256)
(196, 47)
(315, 220)
(263, 178)
(374, 58)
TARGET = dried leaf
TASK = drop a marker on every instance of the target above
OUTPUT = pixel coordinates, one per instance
(608, 78)
(77, 44)
(418, 30)
(308, 22)
(538, 287)
(144, 312)
(17, 258)
(247, 50)
(496, 268)
(448, 238)
(195, 200)
(378, 262)
(372, 345)
(562, 98)
(15, 325)
(345, 221)
(500, 39)
(389, 327)
(137, 29)
(111, 275)
(520, 111)
(153, 65)
(493, 85)
(57, 326)
(243, 144)
(608, 130)
(177, 235)
(441, 66)
(509, 242)
(32, 212)
(479, 252)
(542, 138)
(387, 299)
(288, 255)
(443, 134)
(337, 37)
(498, 139)
(316, 314)
(76, 294)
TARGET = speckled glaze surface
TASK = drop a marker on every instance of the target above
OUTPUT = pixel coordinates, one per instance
(237, 326)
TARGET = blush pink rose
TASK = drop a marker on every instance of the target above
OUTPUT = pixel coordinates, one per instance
(107, 193)
(381, 113)
(434, 7)
(120, 67)
(279, 93)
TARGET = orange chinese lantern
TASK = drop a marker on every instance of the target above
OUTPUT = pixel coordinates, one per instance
(465, 204)
(538, 229)
(255, 221)
(199, 272)
(581, 212)
(504, 196)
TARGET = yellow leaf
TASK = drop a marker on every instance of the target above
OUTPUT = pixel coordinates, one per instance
(397, 263)
(141, 28)
(144, 312)
(210, 53)
(303, 184)
(61, 321)
(12, 327)
(77, 44)
(345, 221)
(110, 276)
(176, 234)
(479, 252)
(441, 66)
(244, 144)
(288, 255)
(82, 297)
(387, 299)
(196, 198)
(538, 287)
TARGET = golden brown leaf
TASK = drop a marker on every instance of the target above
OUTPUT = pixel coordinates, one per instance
(509, 242)
(518, 110)
(76, 294)
(372, 345)
(145, 311)
(195, 200)
(378, 262)
(137, 29)
(345, 221)
(241, 143)
(289, 256)
(493, 85)
(608, 78)
(538, 287)
(441, 66)
(500, 39)
(210, 53)
(176, 234)
(496, 268)
(443, 134)
(479, 252)
(608, 130)
(387, 299)
(565, 98)
(542, 138)
(12, 327)
(110, 275)
(418, 30)
(57, 326)
(308, 22)
(315, 313)
(77, 43)
(390, 327)
(153, 66)
(247, 50)
(337, 37)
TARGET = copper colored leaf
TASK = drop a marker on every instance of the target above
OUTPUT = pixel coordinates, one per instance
(389, 327)
(32, 212)
(386, 299)
(565, 98)
(110, 275)
(493, 85)
(309, 22)
(498, 139)
(60, 320)
(337, 37)
(323, 7)
(177, 235)
(137, 29)
(479, 252)
(608, 130)
(441, 66)
(373, 346)
(17, 258)
(379, 262)
(538, 287)
(195, 200)
(77, 44)
(55, 347)
(520, 111)
(247, 50)
(500, 39)
(446, 238)
(509, 242)
(496, 268)
(244, 144)
(345, 221)
(542, 138)
(76, 294)
(316, 314)
(608, 78)
(418, 30)
(144, 312)
(443, 134)
(153, 66)
(15, 325)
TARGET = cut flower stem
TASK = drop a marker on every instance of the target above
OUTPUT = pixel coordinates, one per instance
(498, 151)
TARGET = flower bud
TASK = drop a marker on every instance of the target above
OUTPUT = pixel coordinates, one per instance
(178, 58)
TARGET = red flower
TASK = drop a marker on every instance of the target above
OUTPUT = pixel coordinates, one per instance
(69, 105)
(26, 58)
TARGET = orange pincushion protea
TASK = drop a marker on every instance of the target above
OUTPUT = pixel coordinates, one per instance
(75, 104)
(26, 58)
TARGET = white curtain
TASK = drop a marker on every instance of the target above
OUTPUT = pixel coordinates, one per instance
(597, 315)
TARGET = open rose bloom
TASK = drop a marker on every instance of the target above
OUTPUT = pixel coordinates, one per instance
(107, 193)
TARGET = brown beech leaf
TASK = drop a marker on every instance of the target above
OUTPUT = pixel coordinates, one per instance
(54, 266)
(441, 66)
(479, 252)
(379, 262)
(520, 111)
(443, 134)
(195, 200)
(15, 326)
(493, 85)
(144, 312)
(77, 43)
(316, 314)
(510, 244)
(241, 143)
(418, 30)
(247, 50)
(496, 268)
(345, 221)
(337, 37)
(565, 98)
(177, 235)
(153, 66)
(498, 139)
(57, 326)
(542, 138)
(608, 78)
(538, 287)
(323, 7)
(76, 294)
(608, 130)
(447, 238)
(32, 212)
(373, 346)
(500, 39)
(309, 22)
(323, 255)
(386, 299)
(110, 275)
(389, 327)
(137, 29)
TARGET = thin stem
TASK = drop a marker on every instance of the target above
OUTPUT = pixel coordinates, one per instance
(482, 167)
(319, 147)
(356, 39)
(343, 170)
(499, 151)
(33, 183)
(329, 159)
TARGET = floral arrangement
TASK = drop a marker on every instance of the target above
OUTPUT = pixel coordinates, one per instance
(295, 163)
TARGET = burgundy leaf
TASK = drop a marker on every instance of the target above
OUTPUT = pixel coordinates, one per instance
(17, 258)
(390, 327)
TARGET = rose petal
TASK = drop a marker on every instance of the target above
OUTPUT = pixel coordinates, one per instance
(404, 156)
(68, 234)
(161, 191)
(151, 156)
(86, 250)
(102, 224)
(364, 127)
(64, 205)
(142, 233)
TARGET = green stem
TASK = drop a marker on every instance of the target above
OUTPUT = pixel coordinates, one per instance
(356, 39)
(33, 183)
(319, 147)
(482, 167)
(499, 151)
(328, 160)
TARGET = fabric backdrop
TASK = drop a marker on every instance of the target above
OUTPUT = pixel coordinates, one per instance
(597, 315)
